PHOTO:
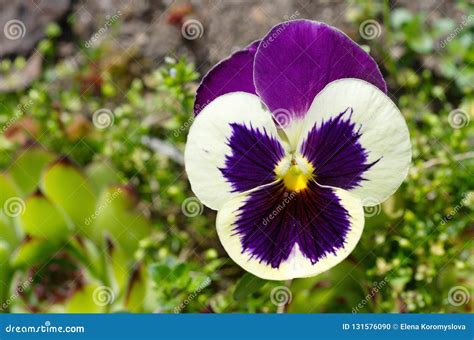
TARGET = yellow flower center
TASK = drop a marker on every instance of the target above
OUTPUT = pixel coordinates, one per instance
(295, 171)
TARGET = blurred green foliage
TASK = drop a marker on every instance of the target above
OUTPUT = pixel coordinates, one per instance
(112, 211)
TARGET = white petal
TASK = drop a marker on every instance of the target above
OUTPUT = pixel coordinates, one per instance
(384, 132)
(206, 147)
(297, 265)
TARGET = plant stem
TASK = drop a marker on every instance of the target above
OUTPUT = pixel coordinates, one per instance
(282, 308)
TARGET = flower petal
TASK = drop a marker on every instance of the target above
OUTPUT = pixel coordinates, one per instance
(232, 147)
(357, 139)
(278, 234)
(297, 59)
(230, 75)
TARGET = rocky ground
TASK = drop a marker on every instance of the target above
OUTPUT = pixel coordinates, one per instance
(147, 30)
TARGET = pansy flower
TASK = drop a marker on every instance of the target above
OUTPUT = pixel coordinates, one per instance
(292, 137)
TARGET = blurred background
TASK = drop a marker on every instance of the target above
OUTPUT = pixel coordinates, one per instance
(96, 213)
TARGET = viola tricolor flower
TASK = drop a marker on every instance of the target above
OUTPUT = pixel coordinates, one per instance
(292, 137)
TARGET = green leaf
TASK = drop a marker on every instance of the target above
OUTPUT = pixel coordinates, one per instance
(117, 262)
(422, 43)
(86, 252)
(317, 294)
(8, 232)
(101, 175)
(5, 271)
(7, 189)
(443, 26)
(248, 285)
(32, 252)
(64, 185)
(136, 290)
(90, 299)
(27, 167)
(42, 219)
(117, 216)
(159, 272)
(400, 16)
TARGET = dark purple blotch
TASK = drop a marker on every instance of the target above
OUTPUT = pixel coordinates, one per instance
(273, 220)
(335, 152)
(254, 157)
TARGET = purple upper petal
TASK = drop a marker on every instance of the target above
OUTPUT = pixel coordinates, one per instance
(230, 75)
(297, 59)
